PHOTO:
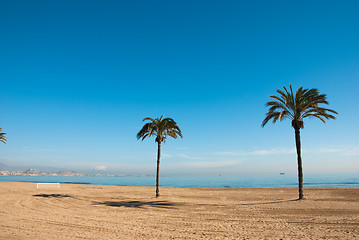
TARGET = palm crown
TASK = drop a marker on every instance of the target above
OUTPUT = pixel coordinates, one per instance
(2, 137)
(305, 103)
(161, 128)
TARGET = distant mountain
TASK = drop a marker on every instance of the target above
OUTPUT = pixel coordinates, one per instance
(32, 171)
(4, 167)
(45, 168)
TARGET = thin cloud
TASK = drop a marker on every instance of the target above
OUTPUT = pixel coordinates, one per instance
(190, 157)
(324, 150)
(207, 164)
(352, 152)
(346, 151)
(257, 152)
(46, 150)
(182, 148)
(101, 167)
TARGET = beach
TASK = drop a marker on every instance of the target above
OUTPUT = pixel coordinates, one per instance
(78, 211)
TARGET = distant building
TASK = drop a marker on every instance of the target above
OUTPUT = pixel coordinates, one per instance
(4, 173)
(69, 174)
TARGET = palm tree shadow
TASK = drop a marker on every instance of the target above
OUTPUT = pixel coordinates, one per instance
(52, 195)
(273, 202)
(138, 204)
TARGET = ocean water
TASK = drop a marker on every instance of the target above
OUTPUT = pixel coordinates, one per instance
(288, 180)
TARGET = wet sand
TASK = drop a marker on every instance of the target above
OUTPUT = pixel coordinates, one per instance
(121, 212)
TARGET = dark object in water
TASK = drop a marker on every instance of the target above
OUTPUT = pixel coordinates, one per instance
(281, 173)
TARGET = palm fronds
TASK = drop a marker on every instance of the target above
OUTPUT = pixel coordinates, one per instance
(2, 136)
(304, 103)
(161, 128)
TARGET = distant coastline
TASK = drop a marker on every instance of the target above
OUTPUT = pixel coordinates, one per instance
(63, 173)
(35, 172)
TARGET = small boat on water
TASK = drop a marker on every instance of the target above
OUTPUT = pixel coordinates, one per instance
(281, 173)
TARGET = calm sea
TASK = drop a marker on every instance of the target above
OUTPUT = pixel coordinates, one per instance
(310, 180)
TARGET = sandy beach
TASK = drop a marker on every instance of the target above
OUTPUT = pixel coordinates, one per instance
(121, 212)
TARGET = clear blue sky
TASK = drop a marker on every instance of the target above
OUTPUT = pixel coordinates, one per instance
(78, 77)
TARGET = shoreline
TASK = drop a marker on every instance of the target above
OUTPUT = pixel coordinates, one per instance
(78, 211)
(316, 180)
(209, 188)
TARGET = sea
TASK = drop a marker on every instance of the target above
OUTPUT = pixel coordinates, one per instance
(257, 181)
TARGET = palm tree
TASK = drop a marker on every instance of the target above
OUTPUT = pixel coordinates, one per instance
(161, 128)
(305, 103)
(2, 137)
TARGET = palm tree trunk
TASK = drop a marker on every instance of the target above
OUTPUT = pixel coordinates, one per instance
(158, 169)
(300, 169)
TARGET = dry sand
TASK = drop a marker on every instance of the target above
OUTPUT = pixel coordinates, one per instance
(118, 212)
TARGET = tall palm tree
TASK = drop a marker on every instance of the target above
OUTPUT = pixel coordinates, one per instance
(305, 103)
(161, 128)
(2, 137)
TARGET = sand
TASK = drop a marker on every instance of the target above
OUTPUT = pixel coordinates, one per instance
(121, 212)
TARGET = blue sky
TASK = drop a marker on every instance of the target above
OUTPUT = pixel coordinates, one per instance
(78, 77)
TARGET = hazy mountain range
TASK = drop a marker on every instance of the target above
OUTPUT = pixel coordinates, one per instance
(4, 167)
